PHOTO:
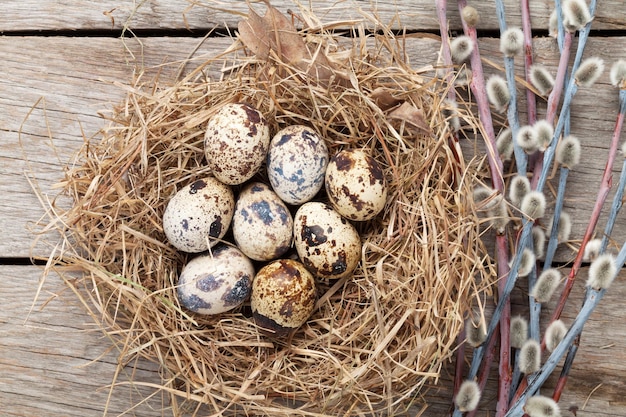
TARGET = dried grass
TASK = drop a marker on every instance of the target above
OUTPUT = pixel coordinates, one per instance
(375, 338)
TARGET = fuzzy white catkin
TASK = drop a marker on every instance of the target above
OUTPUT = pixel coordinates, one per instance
(546, 284)
(451, 112)
(553, 24)
(470, 15)
(499, 217)
(589, 71)
(624, 149)
(568, 152)
(592, 250)
(519, 332)
(541, 79)
(463, 76)
(534, 205)
(541, 406)
(526, 263)
(468, 396)
(461, 48)
(564, 229)
(602, 272)
(486, 198)
(544, 131)
(475, 335)
(618, 73)
(527, 139)
(554, 334)
(530, 357)
(498, 93)
(575, 14)
(518, 188)
(512, 42)
(539, 242)
(504, 145)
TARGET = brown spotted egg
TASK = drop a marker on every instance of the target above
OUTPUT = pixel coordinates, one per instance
(236, 142)
(198, 214)
(215, 282)
(283, 297)
(296, 163)
(262, 223)
(355, 185)
(327, 244)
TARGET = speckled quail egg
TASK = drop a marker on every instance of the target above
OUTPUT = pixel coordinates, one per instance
(296, 163)
(216, 282)
(198, 214)
(236, 142)
(327, 244)
(262, 223)
(355, 185)
(283, 297)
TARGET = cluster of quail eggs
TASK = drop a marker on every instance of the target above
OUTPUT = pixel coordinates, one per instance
(282, 293)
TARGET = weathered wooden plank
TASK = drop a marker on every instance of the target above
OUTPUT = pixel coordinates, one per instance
(208, 14)
(69, 80)
(55, 88)
(56, 363)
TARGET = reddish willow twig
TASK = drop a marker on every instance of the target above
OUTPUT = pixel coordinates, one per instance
(531, 99)
(617, 204)
(477, 86)
(605, 187)
(505, 379)
(553, 102)
(445, 46)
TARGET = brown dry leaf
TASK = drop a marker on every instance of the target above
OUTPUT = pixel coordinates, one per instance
(409, 113)
(275, 32)
(384, 99)
(290, 44)
(254, 33)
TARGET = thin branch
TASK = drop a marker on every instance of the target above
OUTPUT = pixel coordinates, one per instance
(603, 192)
(592, 300)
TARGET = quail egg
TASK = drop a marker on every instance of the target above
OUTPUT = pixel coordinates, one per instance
(283, 297)
(262, 223)
(236, 142)
(198, 214)
(216, 282)
(296, 163)
(327, 244)
(355, 185)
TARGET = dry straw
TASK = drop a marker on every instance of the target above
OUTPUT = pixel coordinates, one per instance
(375, 338)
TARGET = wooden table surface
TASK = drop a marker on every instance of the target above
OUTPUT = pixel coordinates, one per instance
(64, 63)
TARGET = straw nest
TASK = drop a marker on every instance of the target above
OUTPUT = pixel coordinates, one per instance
(375, 338)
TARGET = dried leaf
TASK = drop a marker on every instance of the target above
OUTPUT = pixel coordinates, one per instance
(384, 99)
(254, 34)
(287, 39)
(275, 32)
(409, 113)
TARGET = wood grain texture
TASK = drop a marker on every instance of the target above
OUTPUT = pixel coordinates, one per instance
(54, 90)
(55, 362)
(204, 15)
(51, 99)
